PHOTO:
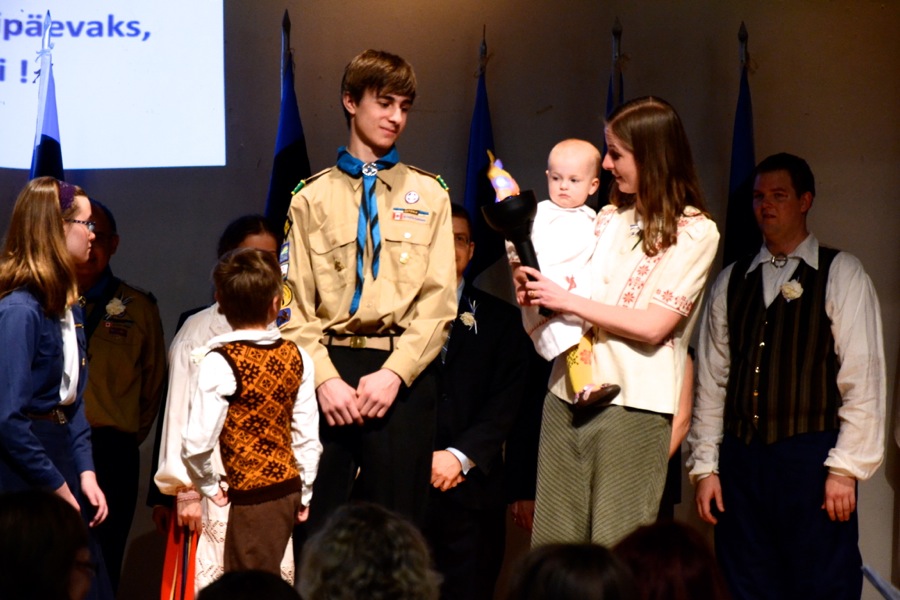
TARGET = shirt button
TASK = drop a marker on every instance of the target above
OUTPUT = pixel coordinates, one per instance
(404, 258)
(407, 235)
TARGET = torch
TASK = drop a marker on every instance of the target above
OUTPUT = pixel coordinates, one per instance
(512, 215)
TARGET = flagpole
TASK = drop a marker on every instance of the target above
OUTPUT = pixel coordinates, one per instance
(741, 234)
(743, 36)
(290, 165)
(285, 40)
(616, 61)
(44, 55)
(478, 190)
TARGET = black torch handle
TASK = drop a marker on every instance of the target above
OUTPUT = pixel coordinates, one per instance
(528, 257)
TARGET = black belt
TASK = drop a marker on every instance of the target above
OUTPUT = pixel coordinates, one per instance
(57, 415)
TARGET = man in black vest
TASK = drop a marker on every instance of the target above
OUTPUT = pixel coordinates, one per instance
(790, 403)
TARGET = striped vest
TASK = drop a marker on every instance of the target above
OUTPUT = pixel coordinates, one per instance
(783, 377)
(256, 439)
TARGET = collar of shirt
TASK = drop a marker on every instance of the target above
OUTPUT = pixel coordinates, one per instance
(270, 335)
(807, 251)
(555, 208)
(772, 277)
(387, 176)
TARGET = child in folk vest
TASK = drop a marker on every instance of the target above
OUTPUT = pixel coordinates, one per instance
(256, 397)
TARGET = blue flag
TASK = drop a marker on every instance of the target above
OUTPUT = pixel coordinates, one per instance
(741, 232)
(488, 243)
(613, 101)
(291, 163)
(46, 157)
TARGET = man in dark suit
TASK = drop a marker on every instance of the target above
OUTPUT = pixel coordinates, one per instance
(485, 370)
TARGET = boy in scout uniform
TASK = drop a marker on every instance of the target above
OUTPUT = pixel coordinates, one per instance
(370, 289)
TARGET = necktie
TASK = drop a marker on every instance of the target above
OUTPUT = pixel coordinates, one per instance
(368, 211)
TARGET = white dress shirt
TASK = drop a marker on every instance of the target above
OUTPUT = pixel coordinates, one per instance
(852, 307)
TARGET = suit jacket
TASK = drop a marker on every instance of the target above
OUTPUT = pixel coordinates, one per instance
(484, 380)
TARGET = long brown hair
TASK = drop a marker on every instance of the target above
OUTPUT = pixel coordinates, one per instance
(35, 255)
(651, 130)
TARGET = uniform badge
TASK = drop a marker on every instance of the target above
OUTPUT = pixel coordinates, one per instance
(284, 315)
(410, 214)
(411, 197)
(286, 295)
(283, 258)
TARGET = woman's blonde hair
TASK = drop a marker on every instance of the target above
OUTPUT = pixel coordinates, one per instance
(651, 130)
(35, 255)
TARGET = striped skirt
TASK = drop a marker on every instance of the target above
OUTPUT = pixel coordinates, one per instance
(601, 472)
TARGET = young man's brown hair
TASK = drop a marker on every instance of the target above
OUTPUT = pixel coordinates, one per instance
(379, 71)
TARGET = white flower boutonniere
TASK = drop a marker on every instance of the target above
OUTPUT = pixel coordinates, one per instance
(197, 354)
(792, 290)
(468, 317)
(116, 307)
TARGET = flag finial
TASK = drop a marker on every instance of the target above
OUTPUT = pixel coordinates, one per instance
(617, 39)
(46, 46)
(482, 53)
(743, 36)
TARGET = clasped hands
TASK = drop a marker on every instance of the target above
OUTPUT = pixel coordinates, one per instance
(342, 405)
(446, 470)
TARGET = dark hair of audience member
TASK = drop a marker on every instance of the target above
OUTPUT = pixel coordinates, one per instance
(238, 230)
(248, 585)
(571, 572)
(367, 551)
(41, 538)
(672, 561)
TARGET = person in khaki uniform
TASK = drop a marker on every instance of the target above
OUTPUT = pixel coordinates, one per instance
(127, 357)
(370, 289)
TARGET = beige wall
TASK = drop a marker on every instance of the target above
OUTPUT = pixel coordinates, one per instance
(825, 86)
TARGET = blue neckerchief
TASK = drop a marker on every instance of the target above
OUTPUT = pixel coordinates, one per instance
(368, 210)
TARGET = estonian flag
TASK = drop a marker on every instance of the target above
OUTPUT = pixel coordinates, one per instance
(488, 243)
(46, 158)
(291, 164)
(613, 101)
(741, 232)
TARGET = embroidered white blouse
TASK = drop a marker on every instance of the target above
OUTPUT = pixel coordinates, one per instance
(622, 275)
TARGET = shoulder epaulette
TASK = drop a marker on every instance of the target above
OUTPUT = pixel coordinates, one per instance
(437, 178)
(305, 182)
(149, 295)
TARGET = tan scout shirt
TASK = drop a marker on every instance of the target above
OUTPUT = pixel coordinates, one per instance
(126, 364)
(415, 293)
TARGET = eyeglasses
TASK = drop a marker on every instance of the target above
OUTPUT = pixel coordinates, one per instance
(89, 224)
(461, 240)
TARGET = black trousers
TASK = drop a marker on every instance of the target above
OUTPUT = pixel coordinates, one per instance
(387, 460)
(118, 463)
(468, 546)
(774, 541)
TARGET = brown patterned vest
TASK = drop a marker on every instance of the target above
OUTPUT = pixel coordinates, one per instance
(256, 439)
(783, 377)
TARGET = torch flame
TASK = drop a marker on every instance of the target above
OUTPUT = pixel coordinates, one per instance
(503, 183)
